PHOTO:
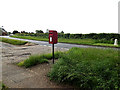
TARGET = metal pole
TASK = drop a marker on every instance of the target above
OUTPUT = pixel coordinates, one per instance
(53, 52)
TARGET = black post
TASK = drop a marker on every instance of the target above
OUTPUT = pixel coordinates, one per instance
(53, 52)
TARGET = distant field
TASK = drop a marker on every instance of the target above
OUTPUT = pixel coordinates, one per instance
(14, 42)
(73, 41)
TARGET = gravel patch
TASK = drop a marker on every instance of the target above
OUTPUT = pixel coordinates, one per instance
(20, 77)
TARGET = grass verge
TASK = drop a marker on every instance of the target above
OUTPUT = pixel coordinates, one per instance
(12, 41)
(88, 68)
(38, 59)
(31, 38)
(72, 41)
(105, 44)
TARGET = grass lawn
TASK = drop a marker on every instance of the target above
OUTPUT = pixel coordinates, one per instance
(73, 41)
(12, 41)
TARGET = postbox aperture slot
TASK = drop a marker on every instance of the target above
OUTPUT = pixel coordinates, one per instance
(50, 39)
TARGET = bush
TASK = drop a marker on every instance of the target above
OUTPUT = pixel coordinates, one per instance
(88, 68)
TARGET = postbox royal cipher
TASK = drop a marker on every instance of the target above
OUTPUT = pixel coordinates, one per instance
(53, 37)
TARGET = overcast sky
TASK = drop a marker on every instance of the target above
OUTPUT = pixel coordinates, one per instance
(71, 16)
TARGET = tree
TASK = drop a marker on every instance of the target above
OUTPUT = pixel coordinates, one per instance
(22, 31)
(15, 31)
(9, 33)
(39, 31)
(62, 32)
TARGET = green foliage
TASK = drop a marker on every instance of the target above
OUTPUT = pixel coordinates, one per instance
(12, 41)
(32, 38)
(15, 31)
(3, 87)
(21, 63)
(38, 59)
(77, 41)
(39, 31)
(88, 68)
(105, 44)
(105, 41)
(33, 60)
(62, 32)
(88, 39)
(107, 36)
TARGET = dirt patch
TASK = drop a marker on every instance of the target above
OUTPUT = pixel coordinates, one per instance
(30, 44)
(20, 77)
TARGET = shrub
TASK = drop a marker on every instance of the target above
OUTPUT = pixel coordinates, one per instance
(88, 68)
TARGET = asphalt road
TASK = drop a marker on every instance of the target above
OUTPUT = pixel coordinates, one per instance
(60, 45)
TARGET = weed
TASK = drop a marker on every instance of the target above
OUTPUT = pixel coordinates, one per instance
(88, 68)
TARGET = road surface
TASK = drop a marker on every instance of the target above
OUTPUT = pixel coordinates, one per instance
(59, 45)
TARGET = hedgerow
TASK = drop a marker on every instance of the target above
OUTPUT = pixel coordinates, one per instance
(100, 37)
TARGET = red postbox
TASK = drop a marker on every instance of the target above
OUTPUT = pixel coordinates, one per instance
(53, 37)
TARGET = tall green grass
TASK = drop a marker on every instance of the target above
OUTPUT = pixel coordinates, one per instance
(38, 59)
(88, 68)
(12, 41)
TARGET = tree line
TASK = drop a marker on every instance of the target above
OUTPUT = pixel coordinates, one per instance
(100, 37)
